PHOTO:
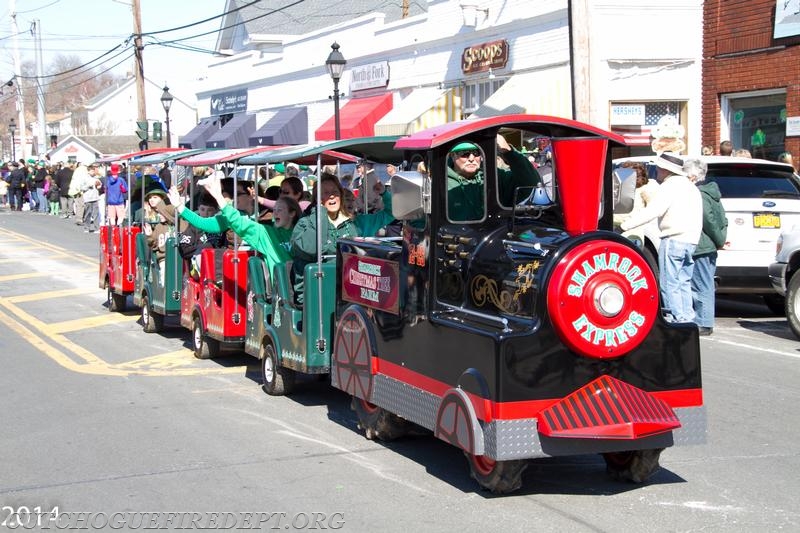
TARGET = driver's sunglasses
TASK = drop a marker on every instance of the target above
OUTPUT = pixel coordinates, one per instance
(466, 153)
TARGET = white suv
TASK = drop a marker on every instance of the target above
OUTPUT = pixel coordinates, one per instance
(760, 198)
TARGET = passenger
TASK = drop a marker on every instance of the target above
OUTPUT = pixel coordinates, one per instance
(465, 179)
(198, 230)
(157, 231)
(292, 187)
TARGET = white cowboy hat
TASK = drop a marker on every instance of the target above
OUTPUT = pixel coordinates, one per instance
(670, 163)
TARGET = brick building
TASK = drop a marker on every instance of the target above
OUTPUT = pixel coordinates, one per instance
(751, 75)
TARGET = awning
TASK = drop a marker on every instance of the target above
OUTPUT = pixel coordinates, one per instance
(357, 118)
(422, 109)
(287, 126)
(544, 92)
(235, 133)
(196, 138)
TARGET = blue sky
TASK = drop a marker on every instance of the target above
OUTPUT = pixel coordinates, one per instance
(89, 28)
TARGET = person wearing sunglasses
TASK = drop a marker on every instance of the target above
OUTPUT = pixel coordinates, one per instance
(466, 181)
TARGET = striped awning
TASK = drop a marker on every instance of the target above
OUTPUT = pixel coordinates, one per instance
(543, 92)
(423, 108)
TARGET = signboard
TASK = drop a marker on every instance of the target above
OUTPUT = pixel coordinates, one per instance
(792, 126)
(482, 57)
(369, 76)
(229, 102)
(371, 282)
(787, 19)
(627, 115)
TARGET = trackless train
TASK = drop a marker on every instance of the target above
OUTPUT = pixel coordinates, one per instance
(510, 320)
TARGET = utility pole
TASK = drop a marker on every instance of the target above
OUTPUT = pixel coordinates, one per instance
(42, 137)
(580, 60)
(137, 42)
(18, 81)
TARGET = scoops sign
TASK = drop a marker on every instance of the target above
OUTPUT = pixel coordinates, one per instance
(371, 282)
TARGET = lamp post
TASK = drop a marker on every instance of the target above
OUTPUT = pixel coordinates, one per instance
(12, 129)
(166, 101)
(335, 64)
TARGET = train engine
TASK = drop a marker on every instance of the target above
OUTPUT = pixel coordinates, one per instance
(510, 319)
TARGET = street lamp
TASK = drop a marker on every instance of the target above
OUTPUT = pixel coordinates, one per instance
(335, 64)
(166, 101)
(12, 129)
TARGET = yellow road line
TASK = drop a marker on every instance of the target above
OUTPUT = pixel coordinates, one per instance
(36, 296)
(61, 250)
(26, 275)
(89, 322)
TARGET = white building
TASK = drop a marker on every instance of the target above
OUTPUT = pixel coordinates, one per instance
(449, 60)
(114, 112)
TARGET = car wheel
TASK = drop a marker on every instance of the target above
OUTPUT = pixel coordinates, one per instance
(500, 477)
(793, 304)
(776, 303)
(204, 347)
(277, 380)
(152, 322)
(116, 302)
(634, 466)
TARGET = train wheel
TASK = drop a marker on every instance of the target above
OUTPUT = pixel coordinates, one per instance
(277, 380)
(377, 422)
(793, 304)
(204, 347)
(116, 302)
(151, 322)
(636, 466)
(500, 477)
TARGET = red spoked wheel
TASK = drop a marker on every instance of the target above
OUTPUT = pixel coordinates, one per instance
(377, 422)
(352, 356)
(602, 298)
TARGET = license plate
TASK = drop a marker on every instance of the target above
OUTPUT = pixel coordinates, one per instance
(767, 220)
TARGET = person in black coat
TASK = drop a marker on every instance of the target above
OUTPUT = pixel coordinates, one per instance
(63, 180)
(16, 182)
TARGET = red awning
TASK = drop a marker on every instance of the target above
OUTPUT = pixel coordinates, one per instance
(357, 118)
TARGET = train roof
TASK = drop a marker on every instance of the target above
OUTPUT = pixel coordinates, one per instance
(134, 155)
(214, 157)
(552, 126)
(378, 149)
(161, 157)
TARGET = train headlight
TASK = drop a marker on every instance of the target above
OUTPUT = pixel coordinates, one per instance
(609, 299)
(602, 298)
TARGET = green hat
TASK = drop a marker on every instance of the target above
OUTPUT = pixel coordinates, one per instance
(31, 161)
(464, 146)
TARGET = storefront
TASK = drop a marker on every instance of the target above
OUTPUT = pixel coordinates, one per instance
(751, 78)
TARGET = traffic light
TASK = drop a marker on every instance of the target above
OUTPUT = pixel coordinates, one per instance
(141, 130)
(156, 131)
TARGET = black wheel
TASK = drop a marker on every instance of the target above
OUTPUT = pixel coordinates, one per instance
(204, 347)
(277, 380)
(793, 304)
(776, 303)
(500, 477)
(377, 422)
(152, 322)
(116, 302)
(635, 466)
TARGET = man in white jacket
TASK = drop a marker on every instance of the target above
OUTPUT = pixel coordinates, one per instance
(679, 209)
(91, 194)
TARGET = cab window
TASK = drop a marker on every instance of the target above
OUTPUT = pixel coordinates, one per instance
(466, 184)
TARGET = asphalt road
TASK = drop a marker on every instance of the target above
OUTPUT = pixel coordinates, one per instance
(101, 418)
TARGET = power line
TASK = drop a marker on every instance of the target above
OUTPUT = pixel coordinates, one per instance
(278, 10)
(200, 22)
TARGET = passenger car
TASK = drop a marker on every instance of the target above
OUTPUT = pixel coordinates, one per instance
(760, 198)
(782, 274)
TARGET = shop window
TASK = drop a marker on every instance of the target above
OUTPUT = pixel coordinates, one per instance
(475, 94)
(757, 123)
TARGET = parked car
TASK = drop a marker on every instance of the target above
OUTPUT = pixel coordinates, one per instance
(782, 274)
(760, 198)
